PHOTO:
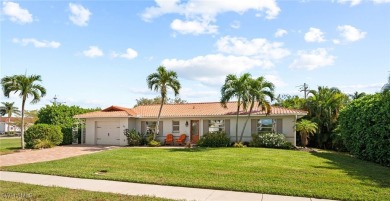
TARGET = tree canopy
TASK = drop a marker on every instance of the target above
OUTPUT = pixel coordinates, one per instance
(157, 100)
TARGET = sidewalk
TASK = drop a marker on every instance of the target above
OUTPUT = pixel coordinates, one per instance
(172, 192)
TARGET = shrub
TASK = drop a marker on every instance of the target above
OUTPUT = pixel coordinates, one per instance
(133, 138)
(214, 139)
(270, 140)
(239, 145)
(41, 144)
(43, 132)
(154, 143)
(67, 135)
(365, 128)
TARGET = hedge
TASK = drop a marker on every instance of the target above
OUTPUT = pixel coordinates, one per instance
(365, 128)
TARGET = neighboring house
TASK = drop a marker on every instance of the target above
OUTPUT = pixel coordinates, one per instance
(10, 124)
(193, 119)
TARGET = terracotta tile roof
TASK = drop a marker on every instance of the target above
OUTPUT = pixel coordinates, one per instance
(206, 109)
(184, 110)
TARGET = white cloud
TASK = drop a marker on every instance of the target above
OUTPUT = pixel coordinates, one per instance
(37, 43)
(79, 15)
(381, 1)
(336, 41)
(352, 2)
(276, 80)
(193, 27)
(314, 35)
(205, 12)
(368, 88)
(211, 69)
(350, 33)
(314, 59)
(258, 47)
(93, 51)
(16, 13)
(130, 54)
(280, 33)
(235, 24)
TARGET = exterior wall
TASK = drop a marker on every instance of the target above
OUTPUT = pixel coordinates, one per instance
(287, 127)
(90, 137)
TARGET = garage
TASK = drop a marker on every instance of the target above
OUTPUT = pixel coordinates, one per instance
(108, 132)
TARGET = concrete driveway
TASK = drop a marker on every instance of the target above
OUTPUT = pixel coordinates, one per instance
(59, 152)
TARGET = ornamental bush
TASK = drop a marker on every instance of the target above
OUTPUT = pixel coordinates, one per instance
(365, 128)
(270, 140)
(43, 135)
(214, 139)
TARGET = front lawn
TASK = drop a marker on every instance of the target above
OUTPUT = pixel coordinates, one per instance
(20, 191)
(9, 145)
(273, 171)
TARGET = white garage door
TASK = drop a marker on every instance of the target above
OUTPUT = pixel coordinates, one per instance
(107, 132)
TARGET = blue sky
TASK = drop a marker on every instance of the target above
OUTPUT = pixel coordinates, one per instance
(99, 53)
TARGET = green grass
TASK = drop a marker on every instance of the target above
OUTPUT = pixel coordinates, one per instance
(9, 145)
(284, 172)
(20, 191)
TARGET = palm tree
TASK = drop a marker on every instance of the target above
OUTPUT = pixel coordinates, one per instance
(257, 92)
(324, 106)
(8, 109)
(27, 87)
(357, 95)
(235, 87)
(306, 128)
(161, 81)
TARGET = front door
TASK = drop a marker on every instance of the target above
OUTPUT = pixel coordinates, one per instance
(194, 131)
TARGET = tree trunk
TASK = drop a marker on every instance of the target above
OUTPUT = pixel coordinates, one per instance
(22, 128)
(238, 112)
(158, 119)
(247, 119)
(303, 139)
(9, 121)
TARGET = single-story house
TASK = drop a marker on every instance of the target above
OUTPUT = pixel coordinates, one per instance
(11, 124)
(193, 119)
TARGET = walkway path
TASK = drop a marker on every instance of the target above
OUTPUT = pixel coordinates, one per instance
(171, 192)
(59, 152)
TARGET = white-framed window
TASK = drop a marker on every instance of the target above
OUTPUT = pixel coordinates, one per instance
(151, 127)
(175, 126)
(216, 125)
(266, 126)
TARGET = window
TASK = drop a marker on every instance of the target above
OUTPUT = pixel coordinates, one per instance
(175, 126)
(151, 127)
(266, 126)
(216, 125)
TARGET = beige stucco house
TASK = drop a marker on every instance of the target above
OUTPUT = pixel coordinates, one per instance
(193, 119)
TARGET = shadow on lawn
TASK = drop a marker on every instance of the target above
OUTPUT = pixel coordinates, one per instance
(367, 172)
(197, 149)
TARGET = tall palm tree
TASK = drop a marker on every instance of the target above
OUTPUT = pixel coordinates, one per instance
(161, 81)
(257, 93)
(235, 87)
(306, 128)
(8, 109)
(27, 87)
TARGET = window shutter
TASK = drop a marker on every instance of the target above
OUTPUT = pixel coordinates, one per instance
(143, 126)
(279, 125)
(205, 126)
(161, 128)
(254, 126)
(227, 127)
